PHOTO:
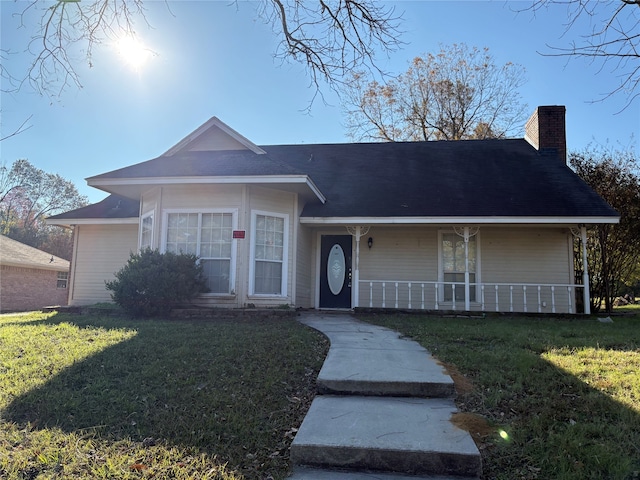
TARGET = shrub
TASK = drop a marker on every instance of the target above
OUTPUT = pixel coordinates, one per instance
(152, 282)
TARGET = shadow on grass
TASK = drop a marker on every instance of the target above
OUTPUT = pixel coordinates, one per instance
(562, 396)
(232, 389)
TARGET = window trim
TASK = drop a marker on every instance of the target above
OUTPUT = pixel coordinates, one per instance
(441, 272)
(149, 214)
(285, 255)
(234, 242)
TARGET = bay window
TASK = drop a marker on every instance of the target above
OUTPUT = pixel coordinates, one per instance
(207, 235)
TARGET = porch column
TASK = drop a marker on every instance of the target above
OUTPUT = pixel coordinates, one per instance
(585, 271)
(356, 273)
(357, 232)
(466, 233)
(467, 303)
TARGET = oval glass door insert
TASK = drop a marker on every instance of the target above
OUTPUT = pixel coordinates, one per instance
(336, 269)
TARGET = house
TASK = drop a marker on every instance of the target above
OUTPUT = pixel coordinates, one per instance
(30, 278)
(477, 225)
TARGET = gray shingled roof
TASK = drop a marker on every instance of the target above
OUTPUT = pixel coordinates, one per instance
(471, 178)
(17, 254)
(226, 163)
(477, 178)
(112, 207)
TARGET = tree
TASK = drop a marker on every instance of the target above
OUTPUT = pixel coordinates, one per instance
(329, 38)
(614, 38)
(27, 196)
(613, 250)
(458, 93)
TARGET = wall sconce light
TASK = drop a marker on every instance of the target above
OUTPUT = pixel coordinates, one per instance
(370, 242)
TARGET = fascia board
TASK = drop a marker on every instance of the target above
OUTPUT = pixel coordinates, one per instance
(64, 222)
(36, 266)
(104, 183)
(458, 220)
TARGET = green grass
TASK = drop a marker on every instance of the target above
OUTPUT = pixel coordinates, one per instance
(561, 397)
(107, 397)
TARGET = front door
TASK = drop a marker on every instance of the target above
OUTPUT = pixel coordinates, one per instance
(335, 271)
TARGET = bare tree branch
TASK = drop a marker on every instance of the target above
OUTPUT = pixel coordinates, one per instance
(614, 39)
(22, 128)
(330, 38)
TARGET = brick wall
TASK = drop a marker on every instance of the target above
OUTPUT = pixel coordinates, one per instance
(23, 289)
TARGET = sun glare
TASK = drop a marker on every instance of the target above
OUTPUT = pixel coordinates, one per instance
(133, 52)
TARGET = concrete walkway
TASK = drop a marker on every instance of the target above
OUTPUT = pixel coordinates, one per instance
(384, 411)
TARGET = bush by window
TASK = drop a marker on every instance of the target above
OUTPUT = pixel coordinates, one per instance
(151, 283)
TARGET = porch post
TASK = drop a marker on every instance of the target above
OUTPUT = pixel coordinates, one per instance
(357, 231)
(467, 303)
(585, 271)
(355, 284)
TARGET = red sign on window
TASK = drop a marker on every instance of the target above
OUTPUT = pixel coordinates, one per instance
(238, 233)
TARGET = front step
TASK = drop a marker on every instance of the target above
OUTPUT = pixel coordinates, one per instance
(367, 359)
(315, 474)
(384, 372)
(412, 436)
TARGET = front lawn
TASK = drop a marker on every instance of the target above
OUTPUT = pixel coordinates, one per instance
(543, 398)
(106, 397)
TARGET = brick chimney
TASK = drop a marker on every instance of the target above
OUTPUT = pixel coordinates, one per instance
(545, 129)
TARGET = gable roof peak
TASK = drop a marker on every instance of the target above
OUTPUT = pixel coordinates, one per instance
(214, 135)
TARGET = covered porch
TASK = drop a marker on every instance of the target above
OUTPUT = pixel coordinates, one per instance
(502, 268)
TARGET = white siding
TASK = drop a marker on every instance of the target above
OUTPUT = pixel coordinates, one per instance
(398, 254)
(202, 196)
(525, 255)
(100, 251)
(303, 270)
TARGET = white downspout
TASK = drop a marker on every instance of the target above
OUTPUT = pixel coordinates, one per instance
(585, 271)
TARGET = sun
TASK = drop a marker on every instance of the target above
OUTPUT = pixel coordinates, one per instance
(133, 52)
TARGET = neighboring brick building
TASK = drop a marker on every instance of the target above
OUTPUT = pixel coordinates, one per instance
(30, 278)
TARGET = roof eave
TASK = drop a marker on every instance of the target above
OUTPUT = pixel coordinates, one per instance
(108, 184)
(470, 220)
(37, 266)
(69, 222)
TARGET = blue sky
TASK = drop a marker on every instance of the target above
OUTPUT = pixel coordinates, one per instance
(214, 58)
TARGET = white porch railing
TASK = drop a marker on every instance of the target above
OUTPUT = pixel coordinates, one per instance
(485, 297)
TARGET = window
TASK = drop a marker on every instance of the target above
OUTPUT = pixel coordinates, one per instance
(269, 253)
(209, 236)
(63, 277)
(453, 266)
(146, 231)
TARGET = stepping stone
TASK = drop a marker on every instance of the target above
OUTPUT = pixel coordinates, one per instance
(413, 436)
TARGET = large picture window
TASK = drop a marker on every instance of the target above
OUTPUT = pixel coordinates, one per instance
(269, 254)
(453, 266)
(209, 236)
